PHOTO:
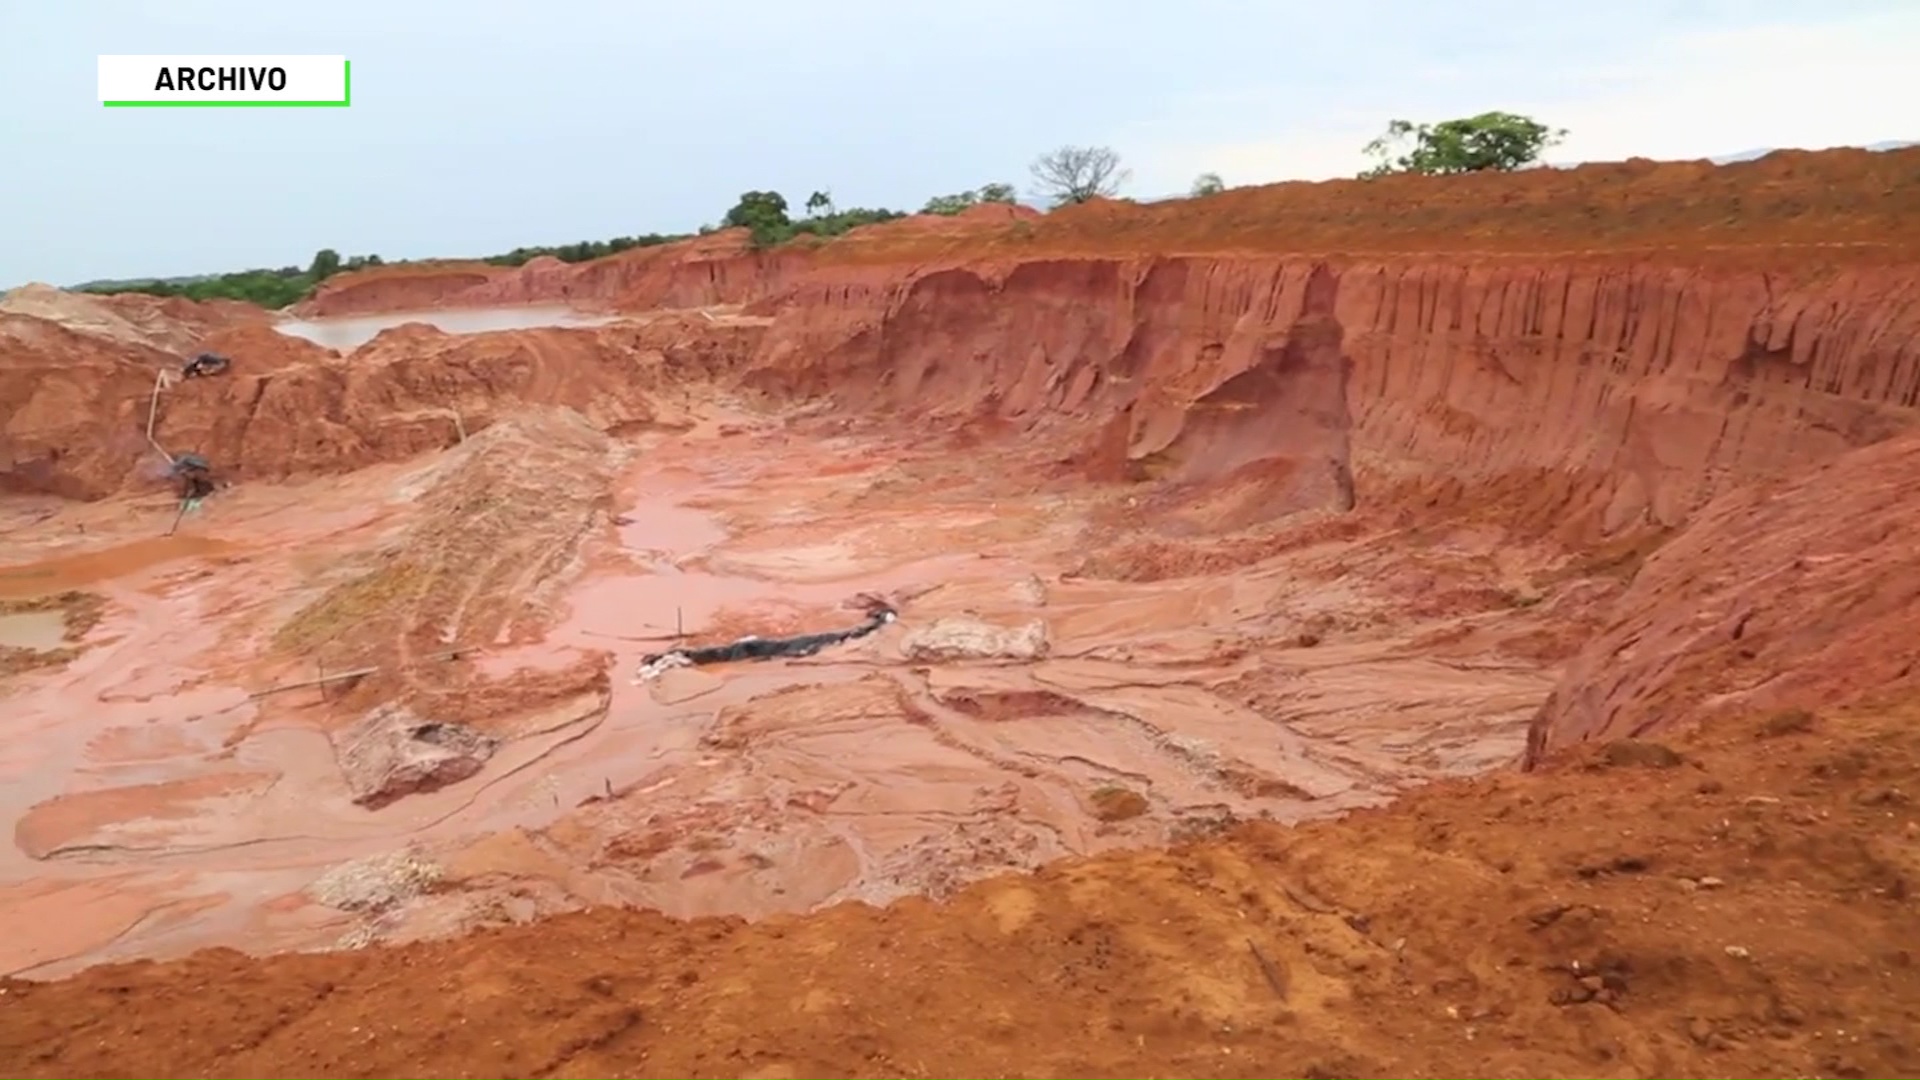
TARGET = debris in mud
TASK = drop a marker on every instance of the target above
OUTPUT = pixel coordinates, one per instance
(751, 647)
(391, 752)
(377, 882)
(971, 639)
(205, 364)
(1117, 803)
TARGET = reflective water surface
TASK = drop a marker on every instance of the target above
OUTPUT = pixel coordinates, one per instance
(353, 331)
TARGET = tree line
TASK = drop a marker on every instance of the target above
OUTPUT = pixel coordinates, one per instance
(1490, 141)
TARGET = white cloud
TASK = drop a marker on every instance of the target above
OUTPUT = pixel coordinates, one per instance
(1685, 95)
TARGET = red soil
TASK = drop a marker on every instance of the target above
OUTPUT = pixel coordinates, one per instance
(1320, 487)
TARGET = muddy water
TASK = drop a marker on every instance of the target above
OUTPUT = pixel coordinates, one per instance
(158, 807)
(40, 630)
(352, 331)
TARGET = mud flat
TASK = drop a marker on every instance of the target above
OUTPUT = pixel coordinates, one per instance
(1018, 712)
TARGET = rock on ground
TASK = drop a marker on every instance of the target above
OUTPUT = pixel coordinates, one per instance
(971, 639)
(392, 752)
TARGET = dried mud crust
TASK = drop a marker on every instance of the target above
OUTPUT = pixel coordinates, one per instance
(500, 525)
(1736, 902)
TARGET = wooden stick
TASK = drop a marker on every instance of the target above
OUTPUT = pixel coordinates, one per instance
(184, 503)
(1274, 978)
(679, 622)
(335, 677)
(623, 637)
(153, 411)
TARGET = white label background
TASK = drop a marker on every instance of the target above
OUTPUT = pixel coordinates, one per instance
(309, 78)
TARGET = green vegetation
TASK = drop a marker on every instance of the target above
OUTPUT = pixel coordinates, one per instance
(764, 214)
(986, 193)
(1489, 142)
(1071, 174)
(585, 250)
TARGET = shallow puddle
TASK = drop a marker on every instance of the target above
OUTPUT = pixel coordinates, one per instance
(352, 331)
(42, 630)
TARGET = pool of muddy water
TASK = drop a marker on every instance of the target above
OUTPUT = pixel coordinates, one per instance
(40, 630)
(349, 332)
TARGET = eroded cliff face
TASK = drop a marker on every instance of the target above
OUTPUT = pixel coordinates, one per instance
(1587, 396)
(1590, 395)
(80, 404)
(713, 270)
(1803, 593)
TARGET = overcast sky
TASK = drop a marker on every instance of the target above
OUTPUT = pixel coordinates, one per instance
(480, 125)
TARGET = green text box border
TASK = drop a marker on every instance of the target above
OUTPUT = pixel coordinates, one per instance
(345, 100)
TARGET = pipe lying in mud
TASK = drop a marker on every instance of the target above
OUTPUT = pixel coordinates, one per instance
(758, 648)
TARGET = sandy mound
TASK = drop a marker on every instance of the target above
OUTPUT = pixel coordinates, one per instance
(501, 522)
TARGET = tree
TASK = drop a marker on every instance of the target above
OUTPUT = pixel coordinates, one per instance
(764, 212)
(326, 263)
(985, 193)
(1489, 142)
(1075, 174)
(1207, 183)
(820, 202)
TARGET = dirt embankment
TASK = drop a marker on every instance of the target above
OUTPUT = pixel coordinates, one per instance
(718, 269)
(289, 407)
(1803, 593)
(1590, 396)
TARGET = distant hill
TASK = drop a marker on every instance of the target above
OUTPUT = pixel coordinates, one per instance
(1749, 155)
(128, 283)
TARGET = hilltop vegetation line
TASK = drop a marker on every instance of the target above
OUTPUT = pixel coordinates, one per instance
(1063, 177)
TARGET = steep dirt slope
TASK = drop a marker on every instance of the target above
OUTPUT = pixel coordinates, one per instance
(1587, 395)
(1598, 348)
(1736, 905)
(82, 401)
(711, 270)
(1800, 593)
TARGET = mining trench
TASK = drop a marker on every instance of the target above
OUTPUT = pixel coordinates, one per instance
(1014, 711)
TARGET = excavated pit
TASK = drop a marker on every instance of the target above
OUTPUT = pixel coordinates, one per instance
(1174, 544)
(1175, 567)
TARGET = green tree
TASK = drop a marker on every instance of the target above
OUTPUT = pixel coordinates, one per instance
(1207, 183)
(985, 193)
(1077, 174)
(1489, 142)
(820, 202)
(326, 263)
(763, 212)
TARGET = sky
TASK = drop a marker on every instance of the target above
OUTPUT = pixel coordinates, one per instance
(482, 125)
